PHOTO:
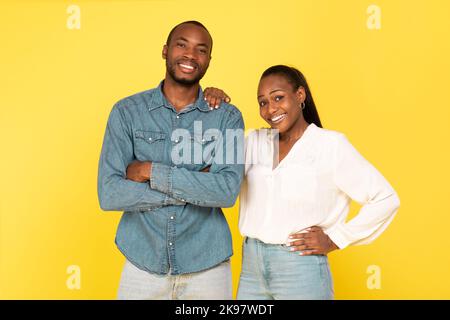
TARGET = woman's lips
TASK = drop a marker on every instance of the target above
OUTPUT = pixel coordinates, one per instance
(278, 118)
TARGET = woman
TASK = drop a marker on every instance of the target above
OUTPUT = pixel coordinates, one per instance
(299, 182)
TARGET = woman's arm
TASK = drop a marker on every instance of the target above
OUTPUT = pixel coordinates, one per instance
(362, 182)
(214, 97)
(357, 178)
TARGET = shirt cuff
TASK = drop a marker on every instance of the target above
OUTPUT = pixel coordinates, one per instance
(338, 237)
(169, 201)
(161, 178)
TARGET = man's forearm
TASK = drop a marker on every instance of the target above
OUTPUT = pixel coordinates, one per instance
(119, 194)
(218, 189)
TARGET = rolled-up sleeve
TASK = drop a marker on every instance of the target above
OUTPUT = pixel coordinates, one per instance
(115, 192)
(217, 188)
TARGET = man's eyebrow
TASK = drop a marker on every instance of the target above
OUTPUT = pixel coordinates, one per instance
(186, 40)
(270, 92)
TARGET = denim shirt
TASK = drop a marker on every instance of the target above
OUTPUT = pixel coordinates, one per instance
(174, 223)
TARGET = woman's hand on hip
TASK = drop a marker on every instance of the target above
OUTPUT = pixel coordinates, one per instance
(312, 242)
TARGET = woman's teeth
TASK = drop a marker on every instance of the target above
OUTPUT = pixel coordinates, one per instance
(278, 118)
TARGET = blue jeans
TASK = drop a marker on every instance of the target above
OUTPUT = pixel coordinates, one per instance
(210, 284)
(271, 271)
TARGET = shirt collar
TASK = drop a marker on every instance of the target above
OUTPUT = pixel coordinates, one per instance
(159, 100)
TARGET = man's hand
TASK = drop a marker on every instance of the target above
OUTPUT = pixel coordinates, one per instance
(139, 171)
(313, 242)
(205, 169)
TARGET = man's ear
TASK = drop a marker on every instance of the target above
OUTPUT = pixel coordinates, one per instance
(164, 51)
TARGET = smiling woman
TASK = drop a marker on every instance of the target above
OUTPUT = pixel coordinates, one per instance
(296, 195)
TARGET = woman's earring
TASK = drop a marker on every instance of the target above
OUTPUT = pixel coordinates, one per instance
(303, 105)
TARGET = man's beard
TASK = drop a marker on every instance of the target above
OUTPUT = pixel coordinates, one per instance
(182, 81)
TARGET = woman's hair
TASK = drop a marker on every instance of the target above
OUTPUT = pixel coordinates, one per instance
(297, 79)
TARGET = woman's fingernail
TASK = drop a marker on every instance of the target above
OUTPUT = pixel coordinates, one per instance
(292, 249)
(210, 108)
(217, 106)
(291, 237)
(300, 253)
(288, 244)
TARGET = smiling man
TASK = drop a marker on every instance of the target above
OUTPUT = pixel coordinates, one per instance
(173, 233)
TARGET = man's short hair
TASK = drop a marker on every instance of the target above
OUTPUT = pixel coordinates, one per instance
(198, 24)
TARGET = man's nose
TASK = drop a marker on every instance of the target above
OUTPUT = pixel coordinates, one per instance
(189, 53)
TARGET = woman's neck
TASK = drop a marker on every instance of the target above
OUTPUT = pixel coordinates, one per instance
(295, 132)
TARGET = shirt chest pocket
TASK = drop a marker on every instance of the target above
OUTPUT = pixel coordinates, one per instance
(149, 145)
(203, 148)
(299, 183)
(192, 151)
(199, 152)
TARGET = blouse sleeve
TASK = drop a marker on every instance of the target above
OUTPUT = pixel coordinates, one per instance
(363, 183)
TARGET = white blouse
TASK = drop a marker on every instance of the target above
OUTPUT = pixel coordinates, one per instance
(312, 186)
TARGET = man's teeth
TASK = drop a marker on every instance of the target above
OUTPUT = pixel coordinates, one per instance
(187, 66)
(278, 118)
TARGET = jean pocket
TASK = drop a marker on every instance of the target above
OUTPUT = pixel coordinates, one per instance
(326, 277)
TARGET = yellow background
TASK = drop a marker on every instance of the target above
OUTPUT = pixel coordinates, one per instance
(387, 89)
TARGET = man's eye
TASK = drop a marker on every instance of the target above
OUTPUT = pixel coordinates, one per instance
(202, 51)
(262, 104)
(181, 45)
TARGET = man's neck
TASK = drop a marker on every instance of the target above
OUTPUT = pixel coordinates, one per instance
(179, 95)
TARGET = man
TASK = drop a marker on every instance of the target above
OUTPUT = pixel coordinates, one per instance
(170, 177)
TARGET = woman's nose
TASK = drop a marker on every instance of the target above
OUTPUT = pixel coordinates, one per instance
(272, 107)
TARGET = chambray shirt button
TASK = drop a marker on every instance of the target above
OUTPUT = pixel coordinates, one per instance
(171, 218)
(149, 139)
(170, 243)
(178, 117)
(176, 141)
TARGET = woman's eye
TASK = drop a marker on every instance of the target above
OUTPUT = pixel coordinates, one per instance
(278, 98)
(262, 104)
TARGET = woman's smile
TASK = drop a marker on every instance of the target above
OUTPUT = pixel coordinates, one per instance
(279, 118)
